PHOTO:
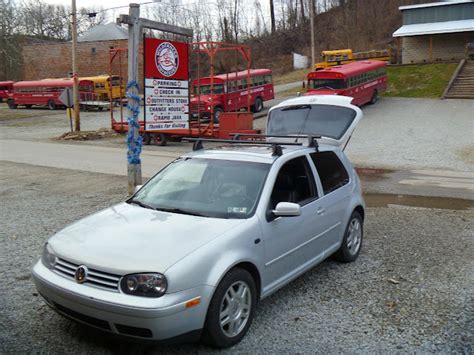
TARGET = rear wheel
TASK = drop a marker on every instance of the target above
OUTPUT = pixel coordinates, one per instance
(375, 97)
(28, 106)
(231, 310)
(161, 139)
(352, 241)
(258, 106)
(51, 105)
(11, 104)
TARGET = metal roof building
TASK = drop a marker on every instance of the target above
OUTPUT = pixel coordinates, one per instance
(108, 32)
(436, 31)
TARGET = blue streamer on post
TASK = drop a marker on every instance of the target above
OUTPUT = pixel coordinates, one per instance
(134, 145)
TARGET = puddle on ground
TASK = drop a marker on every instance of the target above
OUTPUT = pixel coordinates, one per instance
(385, 200)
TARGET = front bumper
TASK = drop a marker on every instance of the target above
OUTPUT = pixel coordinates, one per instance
(138, 317)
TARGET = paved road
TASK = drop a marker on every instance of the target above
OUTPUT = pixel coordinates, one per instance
(288, 86)
(402, 136)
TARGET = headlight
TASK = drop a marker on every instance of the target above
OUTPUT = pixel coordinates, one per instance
(48, 258)
(145, 285)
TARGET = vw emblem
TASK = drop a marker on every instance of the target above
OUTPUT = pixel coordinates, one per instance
(81, 274)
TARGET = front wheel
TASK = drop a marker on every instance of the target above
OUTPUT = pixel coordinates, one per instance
(231, 310)
(217, 114)
(352, 241)
(51, 105)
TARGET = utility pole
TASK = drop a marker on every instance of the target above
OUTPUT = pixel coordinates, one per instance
(77, 119)
(311, 17)
(135, 31)
(134, 168)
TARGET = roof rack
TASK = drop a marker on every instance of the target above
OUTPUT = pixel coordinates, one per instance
(312, 139)
(276, 146)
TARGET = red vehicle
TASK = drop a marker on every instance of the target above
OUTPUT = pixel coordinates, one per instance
(46, 92)
(230, 93)
(6, 87)
(363, 81)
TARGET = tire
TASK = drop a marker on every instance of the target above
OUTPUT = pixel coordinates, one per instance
(352, 241)
(11, 104)
(1, 100)
(146, 138)
(217, 114)
(161, 139)
(242, 309)
(51, 105)
(375, 97)
(28, 106)
(258, 105)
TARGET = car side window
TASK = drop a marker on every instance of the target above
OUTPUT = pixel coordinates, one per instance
(294, 183)
(331, 171)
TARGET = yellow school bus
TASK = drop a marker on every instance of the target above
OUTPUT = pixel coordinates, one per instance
(344, 56)
(103, 85)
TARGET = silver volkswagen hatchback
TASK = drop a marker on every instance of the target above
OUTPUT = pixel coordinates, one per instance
(202, 242)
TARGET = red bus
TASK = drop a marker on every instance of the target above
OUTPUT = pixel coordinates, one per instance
(6, 87)
(46, 92)
(230, 93)
(363, 81)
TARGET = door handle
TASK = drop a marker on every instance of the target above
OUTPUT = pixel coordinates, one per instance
(320, 211)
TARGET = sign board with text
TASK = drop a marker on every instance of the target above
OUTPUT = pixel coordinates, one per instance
(166, 85)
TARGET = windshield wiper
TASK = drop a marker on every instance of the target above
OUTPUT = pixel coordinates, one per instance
(325, 87)
(296, 107)
(141, 204)
(181, 211)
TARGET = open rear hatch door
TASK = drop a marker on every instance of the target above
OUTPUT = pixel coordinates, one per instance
(333, 120)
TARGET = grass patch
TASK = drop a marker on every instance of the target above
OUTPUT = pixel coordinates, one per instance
(291, 77)
(290, 92)
(423, 80)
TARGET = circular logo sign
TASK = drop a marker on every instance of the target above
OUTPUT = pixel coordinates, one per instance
(81, 274)
(166, 59)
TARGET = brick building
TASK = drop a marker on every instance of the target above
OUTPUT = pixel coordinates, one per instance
(436, 31)
(53, 60)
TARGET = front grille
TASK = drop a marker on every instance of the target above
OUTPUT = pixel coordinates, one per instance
(134, 331)
(83, 318)
(94, 277)
(194, 108)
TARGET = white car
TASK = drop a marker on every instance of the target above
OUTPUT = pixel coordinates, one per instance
(202, 242)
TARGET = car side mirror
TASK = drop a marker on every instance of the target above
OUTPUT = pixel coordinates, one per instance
(138, 187)
(287, 209)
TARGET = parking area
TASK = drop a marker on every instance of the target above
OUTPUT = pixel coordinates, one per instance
(395, 133)
(410, 290)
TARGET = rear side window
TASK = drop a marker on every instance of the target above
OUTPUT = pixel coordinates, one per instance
(332, 173)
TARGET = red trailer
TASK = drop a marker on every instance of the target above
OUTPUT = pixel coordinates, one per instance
(229, 122)
(46, 92)
(6, 88)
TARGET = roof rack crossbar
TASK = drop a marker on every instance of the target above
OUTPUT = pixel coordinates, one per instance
(277, 149)
(238, 135)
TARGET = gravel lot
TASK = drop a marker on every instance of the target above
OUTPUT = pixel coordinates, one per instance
(333, 308)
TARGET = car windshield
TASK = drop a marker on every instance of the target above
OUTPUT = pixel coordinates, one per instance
(206, 89)
(326, 84)
(326, 120)
(205, 187)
